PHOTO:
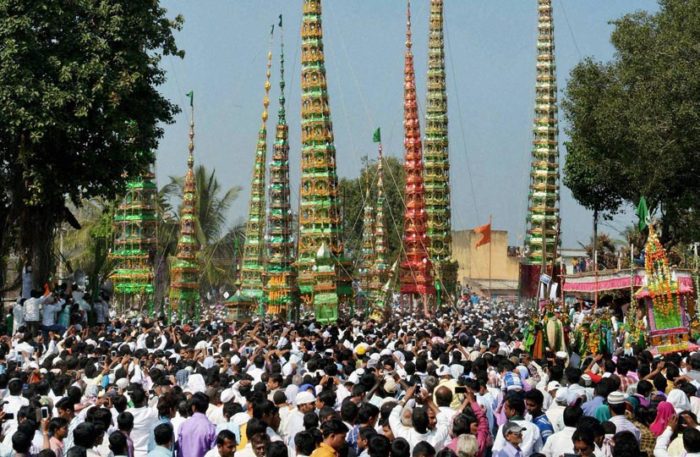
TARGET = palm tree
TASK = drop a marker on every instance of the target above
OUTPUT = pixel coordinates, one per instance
(213, 203)
(87, 248)
(607, 251)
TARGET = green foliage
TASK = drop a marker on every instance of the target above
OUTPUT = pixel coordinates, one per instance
(353, 192)
(87, 248)
(635, 121)
(78, 88)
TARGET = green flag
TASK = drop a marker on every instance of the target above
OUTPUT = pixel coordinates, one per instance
(280, 24)
(377, 137)
(643, 213)
(190, 94)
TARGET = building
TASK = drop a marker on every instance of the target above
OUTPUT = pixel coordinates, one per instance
(474, 263)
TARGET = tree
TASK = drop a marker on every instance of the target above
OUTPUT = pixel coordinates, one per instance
(353, 194)
(81, 110)
(213, 203)
(608, 252)
(634, 122)
(87, 248)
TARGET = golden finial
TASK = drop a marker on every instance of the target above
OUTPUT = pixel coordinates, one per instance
(266, 99)
(408, 24)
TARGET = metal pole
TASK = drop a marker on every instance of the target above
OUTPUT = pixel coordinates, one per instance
(595, 256)
(490, 250)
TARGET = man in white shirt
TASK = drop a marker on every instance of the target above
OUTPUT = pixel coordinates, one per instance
(295, 423)
(32, 311)
(13, 402)
(425, 424)
(144, 420)
(560, 442)
(555, 412)
(443, 397)
(514, 409)
(616, 403)
(257, 369)
(17, 315)
(48, 316)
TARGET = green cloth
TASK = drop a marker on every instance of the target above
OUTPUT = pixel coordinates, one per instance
(602, 413)
(642, 213)
(377, 137)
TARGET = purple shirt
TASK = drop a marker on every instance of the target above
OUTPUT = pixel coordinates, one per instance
(197, 436)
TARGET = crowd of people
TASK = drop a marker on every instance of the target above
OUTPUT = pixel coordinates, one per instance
(457, 384)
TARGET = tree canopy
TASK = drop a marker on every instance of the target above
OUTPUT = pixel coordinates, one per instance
(634, 122)
(81, 109)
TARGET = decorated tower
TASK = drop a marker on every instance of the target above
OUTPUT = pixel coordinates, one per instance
(380, 270)
(416, 269)
(437, 165)
(319, 212)
(666, 301)
(368, 252)
(543, 198)
(135, 244)
(252, 267)
(281, 287)
(184, 270)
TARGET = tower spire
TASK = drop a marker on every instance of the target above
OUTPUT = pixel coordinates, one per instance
(368, 246)
(379, 269)
(543, 198)
(281, 285)
(252, 267)
(380, 239)
(416, 277)
(437, 165)
(184, 271)
(135, 243)
(319, 214)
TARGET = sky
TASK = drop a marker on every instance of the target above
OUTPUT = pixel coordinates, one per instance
(490, 59)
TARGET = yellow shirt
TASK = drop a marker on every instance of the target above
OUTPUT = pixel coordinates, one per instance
(244, 438)
(324, 450)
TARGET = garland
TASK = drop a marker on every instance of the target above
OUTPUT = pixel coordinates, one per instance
(663, 290)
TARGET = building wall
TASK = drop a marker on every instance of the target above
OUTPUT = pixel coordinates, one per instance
(474, 262)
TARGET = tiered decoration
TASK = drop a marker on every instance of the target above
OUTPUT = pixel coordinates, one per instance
(135, 244)
(416, 277)
(252, 267)
(368, 252)
(281, 287)
(543, 196)
(665, 300)
(184, 270)
(324, 284)
(380, 268)
(437, 164)
(319, 215)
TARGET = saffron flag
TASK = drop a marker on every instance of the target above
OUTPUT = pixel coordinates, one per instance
(377, 137)
(643, 213)
(485, 231)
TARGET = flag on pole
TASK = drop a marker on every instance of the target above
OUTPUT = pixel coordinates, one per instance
(377, 137)
(190, 94)
(280, 23)
(485, 231)
(643, 213)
